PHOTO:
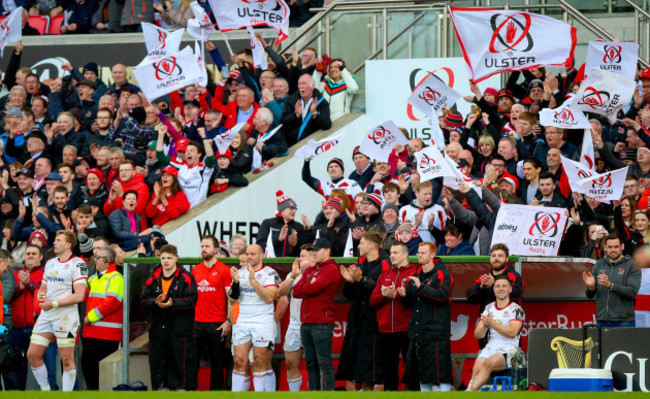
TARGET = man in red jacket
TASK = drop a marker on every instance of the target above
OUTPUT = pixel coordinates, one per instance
(317, 289)
(128, 180)
(393, 317)
(28, 280)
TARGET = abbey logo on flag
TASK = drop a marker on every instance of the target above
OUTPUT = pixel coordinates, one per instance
(159, 42)
(11, 29)
(431, 96)
(616, 57)
(530, 230)
(237, 14)
(494, 41)
(606, 186)
(380, 141)
(431, 164)
(603, 93)
(564, 118)
(169, 74)
(224, 139)
(259, 56)
(588, 157)
(315, 148)
(200, 26)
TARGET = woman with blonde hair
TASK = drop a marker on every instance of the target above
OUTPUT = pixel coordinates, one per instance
(486, 149)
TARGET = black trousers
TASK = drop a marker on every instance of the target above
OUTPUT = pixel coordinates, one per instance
(212, 346)
(173, 361)
(389, 347)
(94, 350)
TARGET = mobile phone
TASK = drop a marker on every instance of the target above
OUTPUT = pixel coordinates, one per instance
(225, 72)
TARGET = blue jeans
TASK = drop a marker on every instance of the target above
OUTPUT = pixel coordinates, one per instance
(616, 324)
(317, 344)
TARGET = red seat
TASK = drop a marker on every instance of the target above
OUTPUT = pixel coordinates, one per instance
(39, 22)
(55, 25)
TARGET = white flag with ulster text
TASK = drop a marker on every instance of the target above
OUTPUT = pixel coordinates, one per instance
(159, 42)
(603, 93)
(11, 29)
(200, 26)
(530, 230)
(259, 56)
(606, 186)
(494, 41)
(315, 148)
(431, 164)
(431, 96)
(237, 14)
(564, 118)
(380, 141)
(575, 172)
(169, 74)
(616, 57)
(587, 157)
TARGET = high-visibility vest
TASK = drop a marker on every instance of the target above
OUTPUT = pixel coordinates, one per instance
(104, 306)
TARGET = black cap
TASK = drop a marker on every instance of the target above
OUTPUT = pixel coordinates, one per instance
(25, 172)
(37, 134)
(462, 162)
(320, 243)
(4, 198)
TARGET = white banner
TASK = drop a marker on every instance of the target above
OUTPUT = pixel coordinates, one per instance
(237, 14)
(431, 164)
(564, 118)
(431, 96)
(530, 230)
(603, 93)
(494, 41)
(315, 148)
(605, 187)
(168, 74)
(160, 43)
(11, 29)
(200, 26)
(380, 141)
(459, 177)
(390, 82)
(224, 139)
(617, 57)
(587, 157)
(268, 134)
(259, 56)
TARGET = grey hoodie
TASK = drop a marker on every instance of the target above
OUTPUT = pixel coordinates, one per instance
(616, 304)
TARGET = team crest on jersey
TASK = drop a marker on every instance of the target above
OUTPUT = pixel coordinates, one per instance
(621, 271)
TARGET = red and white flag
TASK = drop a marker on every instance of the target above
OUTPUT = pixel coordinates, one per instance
(494, 41)
(459, 177)
(11, 29)
(575, 172)
(617, 57)
(564, 118)
(259, 56)
(169, 74)
(159, 42)
(603, 93)
(587, 158)
(237, 14)
(315, 148)
(604, 187)
(431, 164)
(380, 140)
(437, 137)
(200, 26)
(431, 96)
(224, 139)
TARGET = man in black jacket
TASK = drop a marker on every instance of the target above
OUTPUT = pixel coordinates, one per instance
(481, 293)
(428, 293)
(170, 296)
(285, 233)
(305, 112)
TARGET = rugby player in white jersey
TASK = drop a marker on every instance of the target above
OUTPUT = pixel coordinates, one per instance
(254, 287)
(62, 288)
(505, 320)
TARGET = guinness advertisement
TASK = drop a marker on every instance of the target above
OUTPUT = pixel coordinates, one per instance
(624, 350)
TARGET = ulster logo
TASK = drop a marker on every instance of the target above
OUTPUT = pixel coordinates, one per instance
(162, 40)
(425, 161)
(326, 146)
(545, 224)
(564, 115)
(612, 54)
(378, 134)
(517, 33)
(167, 68)
(430, 96)
(594, 98)
(602, 182)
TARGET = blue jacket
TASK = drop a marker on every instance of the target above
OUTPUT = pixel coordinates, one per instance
(121, 226)
(463, 248)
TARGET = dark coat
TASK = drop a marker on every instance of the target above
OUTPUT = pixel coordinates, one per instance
(292, 123)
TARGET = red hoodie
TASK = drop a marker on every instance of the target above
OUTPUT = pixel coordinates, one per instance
(177, 204)
(318, 296)
(391, 314)
(137, 184)
(22, 304)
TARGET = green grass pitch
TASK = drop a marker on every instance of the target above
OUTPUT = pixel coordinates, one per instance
(317, 395)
